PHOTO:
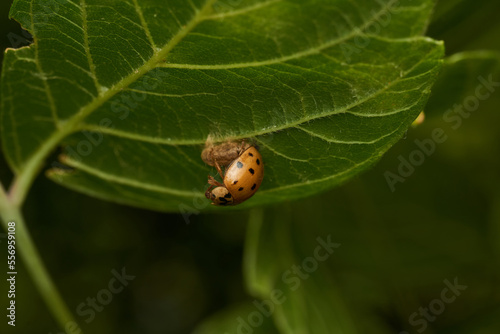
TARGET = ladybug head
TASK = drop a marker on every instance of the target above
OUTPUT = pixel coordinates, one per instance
(220, 196)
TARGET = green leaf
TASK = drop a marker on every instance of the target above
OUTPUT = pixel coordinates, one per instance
(133, 89)
(282, 258)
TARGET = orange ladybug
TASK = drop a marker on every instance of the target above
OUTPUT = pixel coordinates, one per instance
(241, 181)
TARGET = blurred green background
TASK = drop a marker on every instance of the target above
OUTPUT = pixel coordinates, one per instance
(442, 222)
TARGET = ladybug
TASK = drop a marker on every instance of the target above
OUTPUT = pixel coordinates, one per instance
(241, 180)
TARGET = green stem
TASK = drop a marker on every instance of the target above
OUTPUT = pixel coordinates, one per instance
(33, 262)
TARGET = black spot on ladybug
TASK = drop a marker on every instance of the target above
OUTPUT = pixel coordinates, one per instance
(227, 195)
(254, 185)
(223, 200)
(258, 162)
(235, 182)
(213, 195)
(251, 171)
(240, 189)
(250, 154)
(239, 164)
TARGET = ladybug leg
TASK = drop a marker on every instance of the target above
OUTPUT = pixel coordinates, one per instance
(213, 183)
(219, 170)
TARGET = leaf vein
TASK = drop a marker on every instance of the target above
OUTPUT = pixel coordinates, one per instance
(145, 25)
(129, 182)
(242, 11)
(90, 61)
